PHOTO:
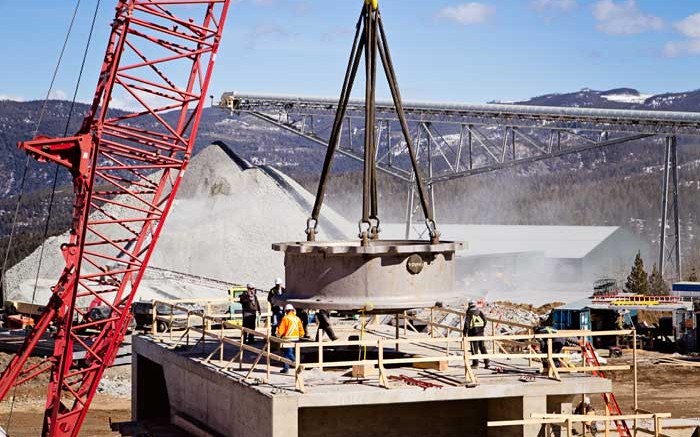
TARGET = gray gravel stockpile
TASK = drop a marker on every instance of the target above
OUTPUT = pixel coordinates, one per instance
(222, 225)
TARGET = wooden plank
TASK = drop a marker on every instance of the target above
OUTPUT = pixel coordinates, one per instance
(590, 368)
(364, 370)
(577, 418)
(440, 365)
(519, 422)
(596, 418)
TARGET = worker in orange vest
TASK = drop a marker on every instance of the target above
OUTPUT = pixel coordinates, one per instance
(290, 329)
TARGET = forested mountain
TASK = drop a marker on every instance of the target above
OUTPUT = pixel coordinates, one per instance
(615, 186)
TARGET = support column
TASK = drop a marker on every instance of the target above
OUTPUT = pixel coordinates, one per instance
(285, 417)
(533, 404)
(676, 216)
(670, 181)
(664, 208)
(409, 207)
(515, 408)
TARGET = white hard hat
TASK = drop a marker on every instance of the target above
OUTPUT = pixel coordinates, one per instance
(586, 400)
(289, 307)
(250, 285)
(278, 281)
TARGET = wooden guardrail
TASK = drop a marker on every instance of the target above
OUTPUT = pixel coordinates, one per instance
(568, 420)
(197, 323)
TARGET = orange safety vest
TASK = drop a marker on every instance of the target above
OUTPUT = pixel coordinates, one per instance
(290, 327)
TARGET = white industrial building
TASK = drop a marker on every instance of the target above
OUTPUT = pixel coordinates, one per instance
(500, 258)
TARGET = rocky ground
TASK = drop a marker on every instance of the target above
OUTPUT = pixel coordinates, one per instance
(112, 403)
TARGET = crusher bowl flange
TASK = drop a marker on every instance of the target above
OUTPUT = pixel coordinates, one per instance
(384, 276)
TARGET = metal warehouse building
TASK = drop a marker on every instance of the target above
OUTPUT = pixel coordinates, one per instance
(525, 256)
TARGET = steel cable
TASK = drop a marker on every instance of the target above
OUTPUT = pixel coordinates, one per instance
(55, 180)
(36, 131)
(65, 132)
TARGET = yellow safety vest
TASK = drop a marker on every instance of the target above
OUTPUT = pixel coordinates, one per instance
(477, 322)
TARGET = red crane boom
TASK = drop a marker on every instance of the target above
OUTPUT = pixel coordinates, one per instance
(126, 170)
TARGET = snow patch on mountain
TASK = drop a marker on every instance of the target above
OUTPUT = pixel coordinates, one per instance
(627, 98)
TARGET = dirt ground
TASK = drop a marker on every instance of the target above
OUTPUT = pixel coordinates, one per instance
(27, 412)
(661, 388)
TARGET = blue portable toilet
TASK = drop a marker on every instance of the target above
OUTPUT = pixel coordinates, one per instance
(575, 315)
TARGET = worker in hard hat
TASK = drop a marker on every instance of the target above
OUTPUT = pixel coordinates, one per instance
(620, 320)
(290, 329)
(585, 408)
(251, 309)
(273, 297)
(474, 324)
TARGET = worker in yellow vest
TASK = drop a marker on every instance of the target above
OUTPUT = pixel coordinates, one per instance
(474, 324)
(290, 329)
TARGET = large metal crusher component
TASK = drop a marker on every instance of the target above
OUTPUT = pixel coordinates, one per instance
(384, 275)
(369, 274)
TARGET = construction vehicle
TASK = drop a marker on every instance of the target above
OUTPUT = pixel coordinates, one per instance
(160, 55)
(143, 315)
(21, 315)
(234, 308)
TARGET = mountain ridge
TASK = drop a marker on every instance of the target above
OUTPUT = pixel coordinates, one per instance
(620, 98)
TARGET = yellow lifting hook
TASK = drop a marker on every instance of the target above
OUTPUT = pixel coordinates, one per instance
(374, 3)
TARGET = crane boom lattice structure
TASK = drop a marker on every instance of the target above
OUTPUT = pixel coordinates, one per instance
(159, 59)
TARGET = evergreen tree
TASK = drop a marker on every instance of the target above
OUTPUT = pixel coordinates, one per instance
(638, 280)
(657, 285)
(693, 276)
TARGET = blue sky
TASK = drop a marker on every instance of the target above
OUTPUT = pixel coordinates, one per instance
(444, 50)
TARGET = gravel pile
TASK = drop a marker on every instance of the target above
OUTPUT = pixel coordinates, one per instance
(510, 313)
(222, 226)
(226, 220)
(118, 386)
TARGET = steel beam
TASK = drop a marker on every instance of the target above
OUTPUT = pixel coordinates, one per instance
(670, 182)
(652, 122)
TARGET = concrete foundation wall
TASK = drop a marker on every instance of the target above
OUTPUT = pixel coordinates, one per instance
(221, 405)
(445, 419)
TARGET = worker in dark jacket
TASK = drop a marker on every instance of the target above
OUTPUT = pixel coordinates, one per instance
(324, 324)
(474, 325)
(276, 292)
(251, 308)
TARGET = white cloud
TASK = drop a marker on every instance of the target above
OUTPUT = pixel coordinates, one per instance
(58, 95)
(624, 18)
(689, 26)
(678, 48)
(554, 5)
(267, 32)
(466, 13)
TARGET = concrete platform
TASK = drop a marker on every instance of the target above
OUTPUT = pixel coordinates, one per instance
(180, 385)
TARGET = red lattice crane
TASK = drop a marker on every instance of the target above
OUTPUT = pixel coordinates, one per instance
(126, 169)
